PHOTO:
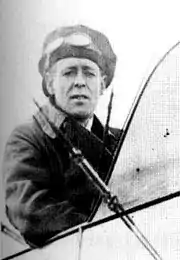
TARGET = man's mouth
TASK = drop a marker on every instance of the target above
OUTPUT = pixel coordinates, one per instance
(79, 97)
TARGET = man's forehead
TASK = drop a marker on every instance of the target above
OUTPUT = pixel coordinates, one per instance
(77, 62)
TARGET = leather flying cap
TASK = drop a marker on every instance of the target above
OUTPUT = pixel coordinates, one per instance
(80, 42)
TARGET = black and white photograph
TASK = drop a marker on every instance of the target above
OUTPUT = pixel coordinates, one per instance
(90, 130)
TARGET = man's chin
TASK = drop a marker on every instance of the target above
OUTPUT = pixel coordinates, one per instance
(81, 116)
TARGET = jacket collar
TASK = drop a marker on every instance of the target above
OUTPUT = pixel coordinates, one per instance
(55, 116)
(98, 129)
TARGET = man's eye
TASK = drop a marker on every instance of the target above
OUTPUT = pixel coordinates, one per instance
(68, 73)
(89, 74)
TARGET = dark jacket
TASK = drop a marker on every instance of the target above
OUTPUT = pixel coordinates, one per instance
(46, 193)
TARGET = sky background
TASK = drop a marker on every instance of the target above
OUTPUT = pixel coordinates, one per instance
(140, 31)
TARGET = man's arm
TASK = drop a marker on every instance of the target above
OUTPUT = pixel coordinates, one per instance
(30, 203)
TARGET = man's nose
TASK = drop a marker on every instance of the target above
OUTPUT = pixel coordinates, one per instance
(79, 80)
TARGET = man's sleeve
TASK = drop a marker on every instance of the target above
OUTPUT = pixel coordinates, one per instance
(30, 205)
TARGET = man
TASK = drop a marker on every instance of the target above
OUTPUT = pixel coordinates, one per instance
(46, 192)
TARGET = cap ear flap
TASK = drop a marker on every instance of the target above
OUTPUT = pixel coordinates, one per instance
(44, 88)
(103, 84)
(49, 84)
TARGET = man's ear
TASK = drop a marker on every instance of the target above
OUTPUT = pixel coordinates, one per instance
(49, 83)
(103, 84)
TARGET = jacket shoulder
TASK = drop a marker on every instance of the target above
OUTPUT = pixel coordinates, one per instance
(28, 132)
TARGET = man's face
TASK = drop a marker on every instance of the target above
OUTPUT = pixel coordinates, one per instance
(77, 85)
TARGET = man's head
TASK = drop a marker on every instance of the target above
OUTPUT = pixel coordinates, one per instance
(76, 84)
(77, 64)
